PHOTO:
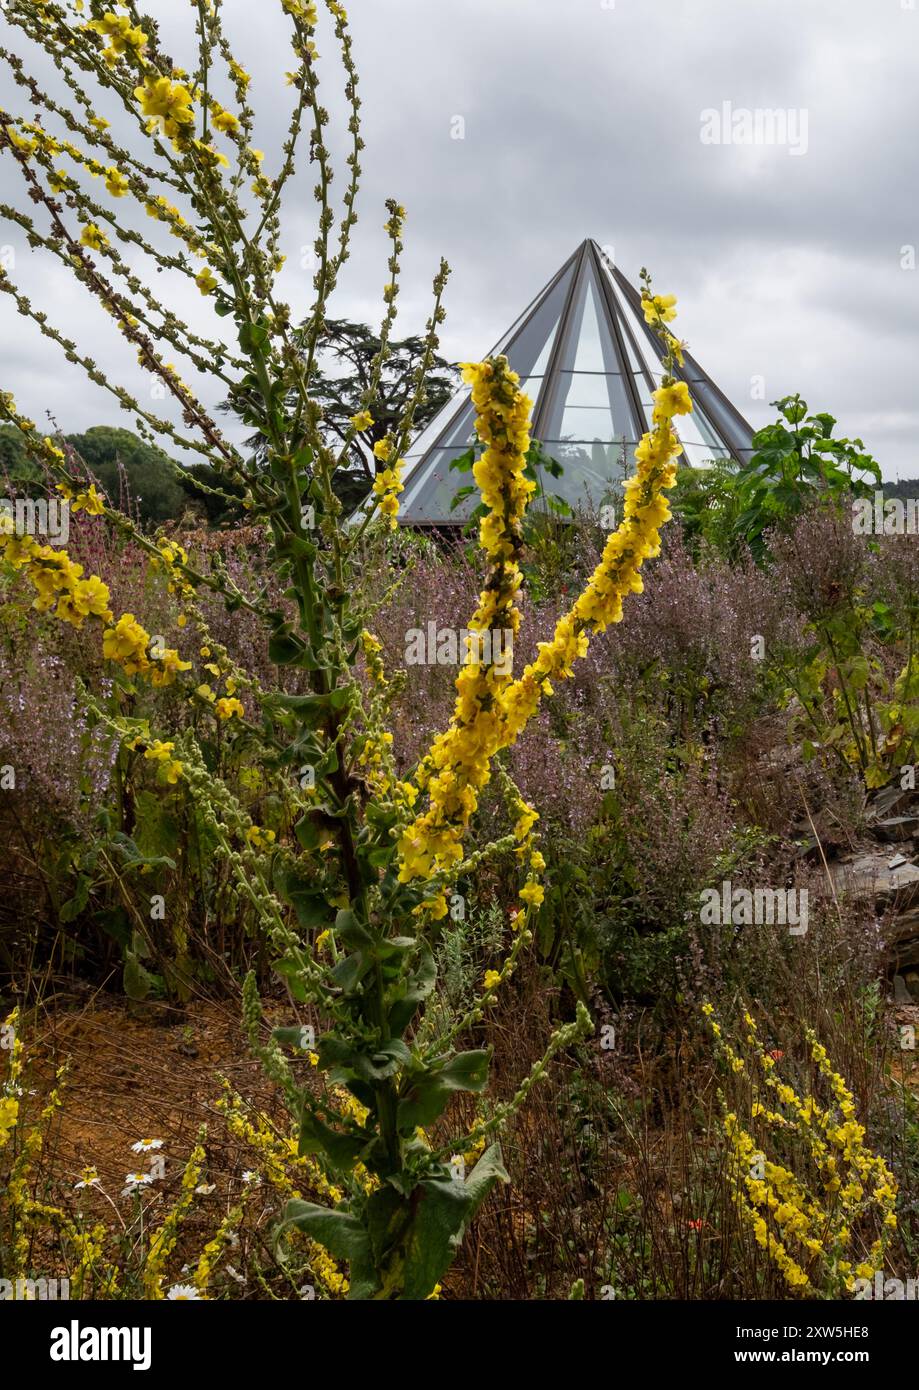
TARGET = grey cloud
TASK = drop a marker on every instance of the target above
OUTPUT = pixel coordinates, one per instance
(584, 120)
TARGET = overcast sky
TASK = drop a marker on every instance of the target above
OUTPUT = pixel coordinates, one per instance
(586, 118)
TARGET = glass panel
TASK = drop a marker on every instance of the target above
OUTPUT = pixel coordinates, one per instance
(650, 357)
(589, 354)
(731, 428)
(701, 455)
(645, 396)
(635, 362)
(588, 344)
(586, 388)
(460, 433)
(591, 471)
(590, 406)
(437, 484)
(429, 436)
(584, 422)
(528, 347)
(531, 386)
(695, 428)
(652, 352)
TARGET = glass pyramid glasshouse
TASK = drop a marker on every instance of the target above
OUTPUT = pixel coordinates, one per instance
(589, 363)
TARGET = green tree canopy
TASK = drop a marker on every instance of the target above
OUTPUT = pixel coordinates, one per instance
(153, 486)
(355, 346)
(352, 348)
(15, 463)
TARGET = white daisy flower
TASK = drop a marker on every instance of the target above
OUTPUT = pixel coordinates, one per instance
(184, 1293)
(251, 1177)
(204, 1189)
(235, 1274)
(134, 1182)
(145, 1146)
(88, 1178)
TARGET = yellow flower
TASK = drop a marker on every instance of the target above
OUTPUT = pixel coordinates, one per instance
(168, 667)
(116, 183)
(435, 908)
(492, 978)
(206, 280)
(9, 1113)
(209, 155)
(168, 105)
(90, 598)
(676, 347)
(672, 400)
(227, 708)
(159, 752)
(493, 708)
(127, 643)
(89, 501)
(658, 308)
(302, 9)
(92, 237)
(362, 420)
(120, 34)
(225, 121)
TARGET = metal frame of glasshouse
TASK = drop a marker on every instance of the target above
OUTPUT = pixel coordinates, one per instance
(590, 363)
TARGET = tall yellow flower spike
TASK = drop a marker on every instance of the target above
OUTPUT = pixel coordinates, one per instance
(492, 709)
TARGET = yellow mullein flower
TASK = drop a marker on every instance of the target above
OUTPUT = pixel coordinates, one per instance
(116, 183)
(89, 501)
(224, 121)
(121, 36)
(167, 105)
(658, 308)
(672, 400)
(92, 237)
